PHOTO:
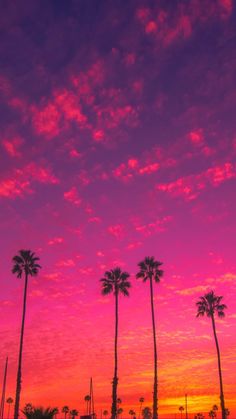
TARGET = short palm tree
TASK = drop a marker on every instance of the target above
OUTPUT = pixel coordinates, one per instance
(212, 414)
(150, 271)
(39, 412)
(141, 401)
(227, 412)
(9, 401)
(146, 413)
(74, 413)
(181, 409)
(209, 305)
(132, 413)
(215, 408)
(23, 263)
(56, 411)
(65, 410)
(116, 282)
(119, 411)
(105, 413)
(87, 400)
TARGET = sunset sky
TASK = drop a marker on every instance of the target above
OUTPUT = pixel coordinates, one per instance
(118, 141)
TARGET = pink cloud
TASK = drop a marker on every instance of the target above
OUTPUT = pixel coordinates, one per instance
(46, 120)
(68, 263)
(190, 186)
(116, 230)
(12, 188)
(150, 168)
(55, 240)
(20, 183)
(12, 146)
(157, 226)
(196, 136)
(72, 196)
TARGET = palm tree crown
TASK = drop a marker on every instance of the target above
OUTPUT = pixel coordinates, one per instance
(25, 262)
(150, 269)
(115, 281)
(39, 412)
(210, 304)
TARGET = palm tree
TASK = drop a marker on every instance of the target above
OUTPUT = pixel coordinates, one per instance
(212, 414)
(74, 413)
(9, 401)
(131, 413)
(150, 270)
(39, 412)
(105, 413)
(87, 400)
(146, 413)
(119, 411)
(227, 412)
(56, 411)
(23, 263)
(65, 410)
(141, 400)
(210, 304)
(181, 409)
(215, 408)
(115, 281)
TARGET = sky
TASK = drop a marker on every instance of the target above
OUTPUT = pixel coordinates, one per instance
(118, 141)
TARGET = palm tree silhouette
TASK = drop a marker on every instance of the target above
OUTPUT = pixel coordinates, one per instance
(141, 400)
(65, 410)
(181, 409)
(9, 401)
(87, 400)
(23, 263)
(215, 408)
(146, 412)
(131, 413)
(212, 414)
(105, 413)
(227, 412)
(74, 413)
(115, 281)
(119, 411)
(150, 270)
(210, 304)
(39, 412)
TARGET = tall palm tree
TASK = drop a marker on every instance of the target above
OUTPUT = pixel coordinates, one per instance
(141, 401)
(9, 401)
(23, 263)
(116, 282)
(87, 400)
(210, 304)
(181, 409)
(150, 271)
(65, 410)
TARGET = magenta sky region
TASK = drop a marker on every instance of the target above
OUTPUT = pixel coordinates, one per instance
(118, 140)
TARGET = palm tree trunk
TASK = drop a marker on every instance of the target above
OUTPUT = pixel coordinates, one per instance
(155, 408)
(8, 413)
(115, 378)
(222, 400)
(18, 382)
